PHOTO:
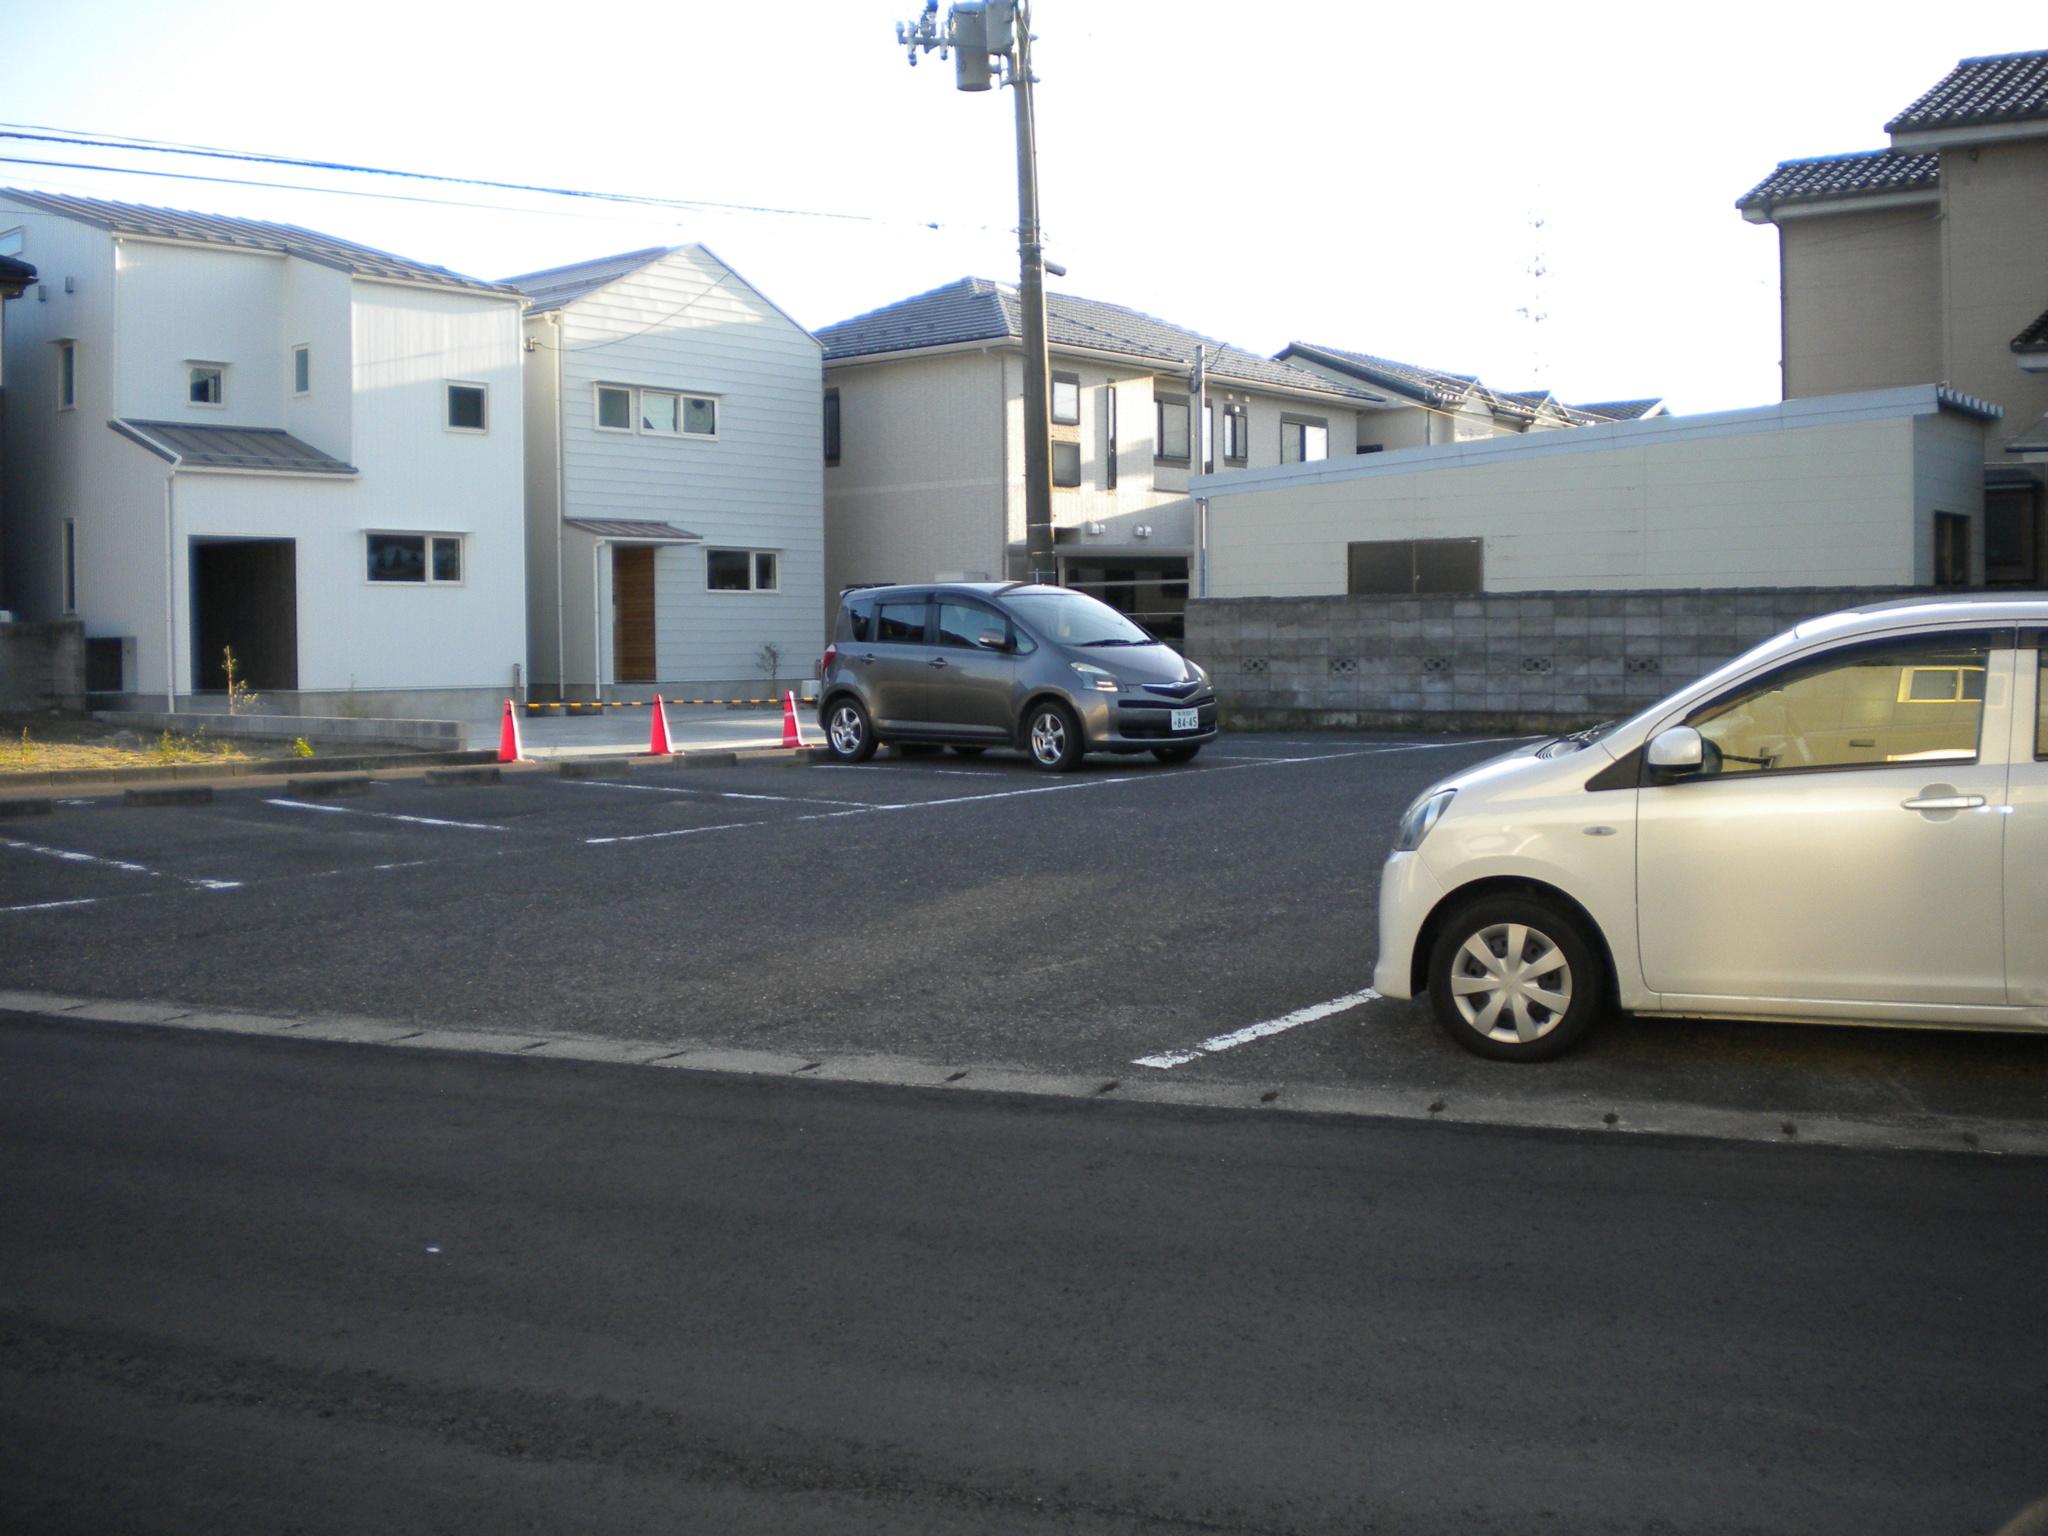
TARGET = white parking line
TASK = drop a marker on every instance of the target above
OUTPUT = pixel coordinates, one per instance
(1006, 794)
(1251, 1032)
(71, 856)
(724, 826)
(711, 794)
(51, 906)
(419, 821)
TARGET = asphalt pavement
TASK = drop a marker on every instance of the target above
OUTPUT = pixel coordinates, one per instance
(965, 914)
(286, 1286)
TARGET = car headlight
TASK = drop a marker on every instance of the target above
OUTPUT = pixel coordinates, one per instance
(1197, 671)
(1420, 817)
(1095, 677)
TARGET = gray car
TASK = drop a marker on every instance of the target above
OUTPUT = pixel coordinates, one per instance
(973, 665)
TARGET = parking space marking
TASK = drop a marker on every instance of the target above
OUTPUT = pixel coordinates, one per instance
(72, 856)
(724, 826)
(419, 821)
(712, 794)
(51, 906)
(1237, 1037)
(1008, 794)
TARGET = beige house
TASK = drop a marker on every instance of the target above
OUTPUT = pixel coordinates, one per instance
(924, 437)
(1926, 262)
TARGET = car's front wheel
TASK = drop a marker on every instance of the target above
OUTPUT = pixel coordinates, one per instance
(849, 734)
(1514, 978)
(1053, 737)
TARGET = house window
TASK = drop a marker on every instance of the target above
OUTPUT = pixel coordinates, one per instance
(1372, 447)
(1066, 464)
(1404, 566)
(660, 413)
(614, 409)
(302, 370)
(1304, 439)
(466, 408)
(67, 375)
(11, 243)
(1109, 437)
(1236, 434)
(831, 426)
(2011, 525)
(1951, 549)
(70, 566)
(416, 559)
(1066, 400)
(741, 570)
(700, 416)
(1173, 431)
(207, 384)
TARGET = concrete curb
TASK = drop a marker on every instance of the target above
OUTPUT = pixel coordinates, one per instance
(254, 768)
(1591, 1118)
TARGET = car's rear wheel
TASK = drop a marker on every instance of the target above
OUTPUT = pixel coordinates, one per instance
(1053, 737)
(1176, 754)
(849, 734)
(1514, 978)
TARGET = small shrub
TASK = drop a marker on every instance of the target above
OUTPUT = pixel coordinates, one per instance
(241, 699)
(166, 748)
(29, 750)
(301, 747)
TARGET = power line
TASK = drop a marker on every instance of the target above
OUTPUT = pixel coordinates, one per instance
(40, 133)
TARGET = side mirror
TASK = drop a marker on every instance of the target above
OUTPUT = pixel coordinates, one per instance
(1677, 751)
(992, 640)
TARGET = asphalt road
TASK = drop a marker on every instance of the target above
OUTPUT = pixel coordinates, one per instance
(270, 1286)
(971, 912)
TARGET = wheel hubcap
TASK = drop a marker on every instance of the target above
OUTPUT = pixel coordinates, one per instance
(1511, 983)
(845, 730)
(1048, 737)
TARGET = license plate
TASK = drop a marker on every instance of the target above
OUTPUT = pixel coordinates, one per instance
(1186, 720)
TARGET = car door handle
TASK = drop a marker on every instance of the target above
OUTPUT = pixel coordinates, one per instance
(937, 661)
(1944, 803)
(869, 656)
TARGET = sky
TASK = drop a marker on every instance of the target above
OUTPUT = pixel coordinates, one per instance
(1539, 196)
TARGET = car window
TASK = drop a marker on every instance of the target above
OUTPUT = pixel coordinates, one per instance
(1893, 702)
(856, 622)
(1074, 618)
(900, 623)
(964, 623)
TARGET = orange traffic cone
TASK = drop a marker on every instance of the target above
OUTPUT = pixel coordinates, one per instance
(657, 741)
(791, 735)
(509, 750)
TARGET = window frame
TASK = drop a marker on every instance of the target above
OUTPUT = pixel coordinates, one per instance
(992, 620)
(448, 423)
(597, 394)
(1992, 640)
(753, 559)
(1073, 381)
(198, 369)
(1109, 436)
(428, 537)
(302, 366)
(67, 374)
(640, 412)
(69, 595)
(1296, 426)
(1956, 546)
(2037, 642)
(635, 393)
(1237, 429)
(1160, 405)
(1074, 448)
(833, 425)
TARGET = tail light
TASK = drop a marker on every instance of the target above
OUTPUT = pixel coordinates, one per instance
(825, 662)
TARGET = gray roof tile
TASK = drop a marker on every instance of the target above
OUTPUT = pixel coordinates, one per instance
(976, 309)
(247, 234)
(1869, 173)
(2000, 88)
(258, 448)
(1624, 410)
(633, 528)
(553, 287)
(1432, 386)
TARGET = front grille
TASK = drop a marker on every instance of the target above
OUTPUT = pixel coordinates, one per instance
(1174, 690)
(1187, 700)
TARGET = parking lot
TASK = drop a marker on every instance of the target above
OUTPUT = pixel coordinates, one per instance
(1133, 923)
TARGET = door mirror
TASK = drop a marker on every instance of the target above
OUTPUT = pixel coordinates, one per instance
(1676, 752)
(992, 640)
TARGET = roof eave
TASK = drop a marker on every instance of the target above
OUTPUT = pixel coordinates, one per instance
(1971, 133)
(1772, 211)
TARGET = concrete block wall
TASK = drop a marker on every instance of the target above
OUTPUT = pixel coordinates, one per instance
(42, 666)
(1521, 661)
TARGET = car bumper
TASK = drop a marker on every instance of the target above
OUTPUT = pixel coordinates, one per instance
(1121, 723)
(1408, 894)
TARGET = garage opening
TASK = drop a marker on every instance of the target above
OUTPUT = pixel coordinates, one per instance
(245, 597)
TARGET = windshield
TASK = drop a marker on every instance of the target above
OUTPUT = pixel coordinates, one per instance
(1074, 618)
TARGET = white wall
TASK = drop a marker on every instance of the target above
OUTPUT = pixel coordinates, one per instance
(210, 304)
(687, 323)
(1829, 492)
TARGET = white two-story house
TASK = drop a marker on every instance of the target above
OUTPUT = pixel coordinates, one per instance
(675, 533)
(229, 435)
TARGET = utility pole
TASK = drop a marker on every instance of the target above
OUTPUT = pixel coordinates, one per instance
(987, 37)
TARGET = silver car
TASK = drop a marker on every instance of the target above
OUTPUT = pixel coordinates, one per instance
(973, 665)
(1848, 824)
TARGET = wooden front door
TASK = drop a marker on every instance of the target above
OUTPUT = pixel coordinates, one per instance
(633, 613)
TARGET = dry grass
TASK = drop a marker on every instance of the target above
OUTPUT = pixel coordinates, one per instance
(52, 745)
